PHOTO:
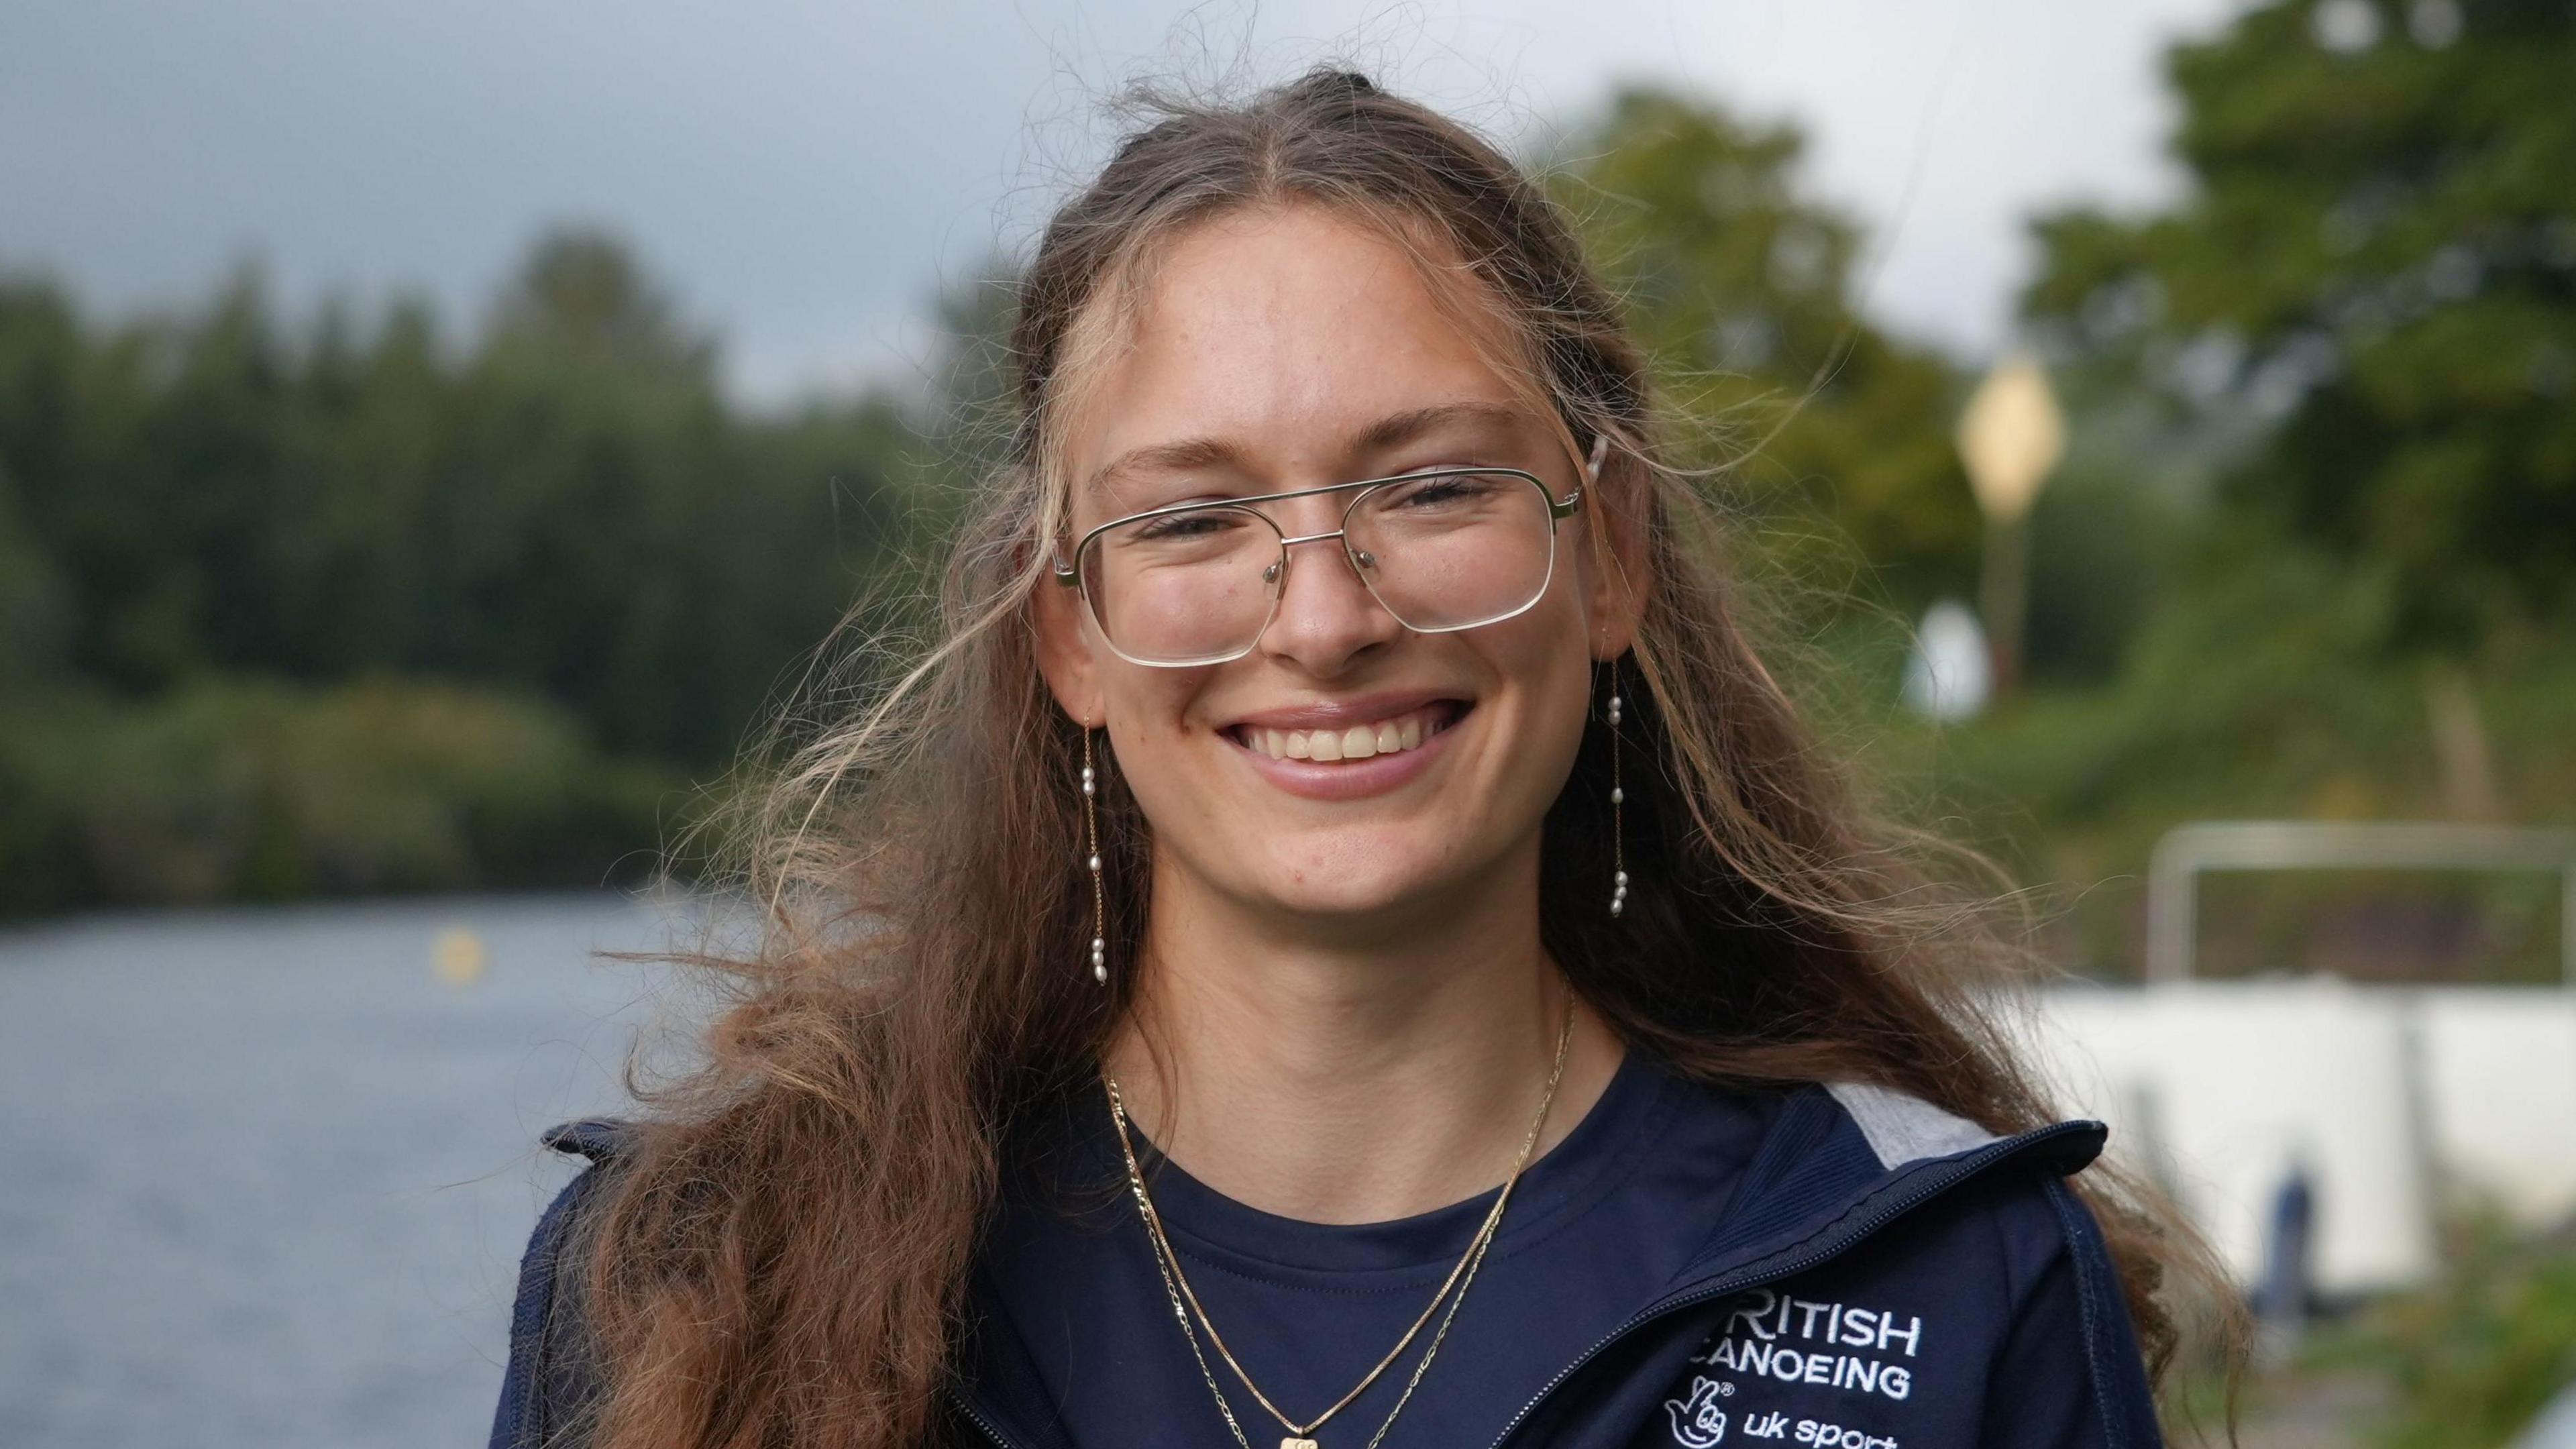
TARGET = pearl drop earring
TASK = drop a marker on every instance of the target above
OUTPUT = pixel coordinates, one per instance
(1618, 810)
(1091, 838)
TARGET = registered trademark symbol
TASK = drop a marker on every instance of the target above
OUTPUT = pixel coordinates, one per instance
(1726, 1391)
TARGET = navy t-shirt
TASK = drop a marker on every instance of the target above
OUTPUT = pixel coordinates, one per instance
(1595, 1230)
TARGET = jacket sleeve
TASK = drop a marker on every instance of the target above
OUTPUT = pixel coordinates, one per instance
(550, 1379)
(2070, 1373)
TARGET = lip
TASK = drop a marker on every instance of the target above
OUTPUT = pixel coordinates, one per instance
(1346, 779)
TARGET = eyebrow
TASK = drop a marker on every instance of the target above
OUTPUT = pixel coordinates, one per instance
(1397, 429)
(1393, 430)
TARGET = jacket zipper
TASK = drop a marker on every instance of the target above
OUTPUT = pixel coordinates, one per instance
(977, 1418)
(1932, 1184)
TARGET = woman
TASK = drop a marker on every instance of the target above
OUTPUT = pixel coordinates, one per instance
(1341, 942)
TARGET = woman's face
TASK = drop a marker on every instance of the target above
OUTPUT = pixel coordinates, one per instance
(1284, 349)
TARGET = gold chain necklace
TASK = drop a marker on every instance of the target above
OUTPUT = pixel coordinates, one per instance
(1185, 1302)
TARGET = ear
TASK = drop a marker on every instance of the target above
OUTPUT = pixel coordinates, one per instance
(1065, 650)
(1616, 565)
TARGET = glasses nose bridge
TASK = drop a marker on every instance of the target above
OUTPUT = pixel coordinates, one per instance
(1341, 534)
(1330, 497)
(1342, 515)
(1352, 558)
(1356, 562)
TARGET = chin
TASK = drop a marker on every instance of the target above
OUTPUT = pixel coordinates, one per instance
(1352, 879)
(1355, 900)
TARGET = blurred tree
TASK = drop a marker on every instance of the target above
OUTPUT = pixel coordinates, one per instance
(565, 547)
(2378, 259)
(581, 296)
(2097, 556)
(681, 557)
(35, 339)
(1743, 293)
(572, 509)
(565, 518)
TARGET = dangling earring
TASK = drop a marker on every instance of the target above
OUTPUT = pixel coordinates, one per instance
(1618, 794)
(1618, 812)
(1091, 837)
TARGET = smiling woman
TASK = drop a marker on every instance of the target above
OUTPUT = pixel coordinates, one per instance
(1358, 947)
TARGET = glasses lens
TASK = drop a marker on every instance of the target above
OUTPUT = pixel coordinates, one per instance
(1454, 550)
(1183, 588)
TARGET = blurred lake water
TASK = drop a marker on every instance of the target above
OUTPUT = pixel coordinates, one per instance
(265, 1174)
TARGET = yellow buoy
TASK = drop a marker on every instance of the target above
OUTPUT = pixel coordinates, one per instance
(458, 957)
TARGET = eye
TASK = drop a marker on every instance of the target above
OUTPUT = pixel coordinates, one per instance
(1172, 526)
(1447, 491)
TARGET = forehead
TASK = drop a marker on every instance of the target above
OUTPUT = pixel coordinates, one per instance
(1284, 335)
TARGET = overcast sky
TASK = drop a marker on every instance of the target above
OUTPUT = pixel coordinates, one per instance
(804, 173)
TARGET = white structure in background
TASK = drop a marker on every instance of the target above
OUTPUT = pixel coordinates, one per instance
(2500, 1094)
(1950, 673)
(2386, 1096)
(2389, 1098)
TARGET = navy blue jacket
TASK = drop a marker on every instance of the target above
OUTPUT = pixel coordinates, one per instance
(1886, 1276)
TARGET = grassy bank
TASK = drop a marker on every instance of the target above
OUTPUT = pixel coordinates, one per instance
(251, 790)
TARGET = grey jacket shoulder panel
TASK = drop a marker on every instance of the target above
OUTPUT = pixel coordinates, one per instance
(1902, 1128)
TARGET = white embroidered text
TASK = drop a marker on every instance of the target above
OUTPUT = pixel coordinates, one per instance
(1804, 1341)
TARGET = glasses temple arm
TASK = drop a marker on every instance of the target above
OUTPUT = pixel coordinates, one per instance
(1565, 507)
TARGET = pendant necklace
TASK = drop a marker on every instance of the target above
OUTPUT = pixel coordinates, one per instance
(1186, 1305)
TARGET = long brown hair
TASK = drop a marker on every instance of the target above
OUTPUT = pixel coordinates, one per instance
(781, 1252)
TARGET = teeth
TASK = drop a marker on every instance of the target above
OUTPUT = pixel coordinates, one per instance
(1359, 742)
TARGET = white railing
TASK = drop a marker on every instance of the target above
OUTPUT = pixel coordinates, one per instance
(2188, 852)
(2394, 1100)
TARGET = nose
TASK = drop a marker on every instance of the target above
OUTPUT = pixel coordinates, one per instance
(1326, 616)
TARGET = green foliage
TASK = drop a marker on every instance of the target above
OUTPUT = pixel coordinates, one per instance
(2102, 552)
(566, 519)
(30, 600)
(571, 510)
(2256, 687)
(2379, 253)
(1742, 293)
(240, 790)
(2323, 475)
(2473, 1358)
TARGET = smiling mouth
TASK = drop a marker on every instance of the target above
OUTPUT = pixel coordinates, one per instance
(1392, 735)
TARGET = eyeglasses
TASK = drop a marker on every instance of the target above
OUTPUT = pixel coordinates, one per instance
(1441, 550)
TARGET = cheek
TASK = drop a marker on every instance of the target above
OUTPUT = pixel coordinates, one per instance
(1147, 708)
(1549, 673)
(1550, 660)
(1159, 750)
(1558, 719)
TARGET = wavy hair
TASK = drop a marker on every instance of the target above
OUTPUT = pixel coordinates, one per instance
(780, 1257)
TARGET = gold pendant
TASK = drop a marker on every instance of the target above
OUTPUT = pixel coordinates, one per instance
(1293, 1442)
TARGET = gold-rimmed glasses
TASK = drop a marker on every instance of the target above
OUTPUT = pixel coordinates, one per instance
(1441, 550)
